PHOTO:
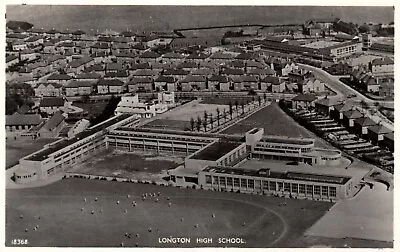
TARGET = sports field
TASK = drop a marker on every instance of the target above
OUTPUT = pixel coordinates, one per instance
(275, 122)
(168, 124)
(65, 219)
(135, 165)
(195, 110)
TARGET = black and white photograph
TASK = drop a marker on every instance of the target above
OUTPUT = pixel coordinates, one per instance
(191, 126)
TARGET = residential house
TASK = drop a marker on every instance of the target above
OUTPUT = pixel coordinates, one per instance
(350, 116)
(19, 46)
(222, 57)
(110, 86)
(245, 83)
(261, 73)
(194, 83)
(140, 85)
(181, 43)
(219, 83)
(253, 65)
(232, 72)
(145, 73)
(114, 67)
(272, 83)
(245, 56)
(103, 48)
(236, 64)
(178, 74)
(388, 141)
(376, 133)
(34, 41)
(51, 105)
(97, 69)
(340, 108)
(149, 56)
(187, 65)
(382, 66)
(92, 77)
(48, 89)
(61, 79)
(165, 83)
(197, 57)
(304, 101)
(311, 85)
(121, 75)
(362, 124)
(28, 55)
(172, 57)
(75, 88)
(325, 105)
(204, 71)
(18, 122)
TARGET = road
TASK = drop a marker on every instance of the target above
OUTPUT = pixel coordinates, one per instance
(334, 83)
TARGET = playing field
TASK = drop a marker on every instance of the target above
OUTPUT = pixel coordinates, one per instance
(195, 110)
(136, 165)
(16, 149)
(275, 122)
(168, 124)
(65, 219)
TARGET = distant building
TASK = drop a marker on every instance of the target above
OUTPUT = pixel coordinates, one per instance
(131, 105)
(48, 89)
(17, 122)
(50, 105)
(52, 126)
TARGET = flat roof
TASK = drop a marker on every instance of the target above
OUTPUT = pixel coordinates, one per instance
(279, 175)
(44, 153)
(216, 150)
(287, 140)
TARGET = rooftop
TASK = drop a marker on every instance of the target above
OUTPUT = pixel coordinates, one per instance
(279, 175)
(287, 140)
(216, 150)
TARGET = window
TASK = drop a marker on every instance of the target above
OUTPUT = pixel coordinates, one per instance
(265, 184)
(251, 183)
(208, 179)
(236, 182)
(272, 185)
(229, 181)
(295, 188)
(317, 190)
(324, 191)
(287, 187)
(309, 189)
(222, 181)
(332, 191)
(257, 184)
(243, 182)
(280, 186)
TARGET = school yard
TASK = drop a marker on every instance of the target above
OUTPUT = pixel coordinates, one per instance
(64, 218)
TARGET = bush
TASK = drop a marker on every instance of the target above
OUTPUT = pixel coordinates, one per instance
(114, 179)
(194, 187)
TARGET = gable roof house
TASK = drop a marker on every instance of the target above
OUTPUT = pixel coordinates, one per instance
(48, 89)
(144, 84)
(52, 126)
(50, 105)
(193, 83)
(165, 83)
(110, 86)
(219, 83)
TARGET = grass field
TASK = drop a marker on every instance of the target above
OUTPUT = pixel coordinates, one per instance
(130, 165)
(195, 110)
(16, 149)
(168, 124)
(259, 220)
(275, 122)
(225, 101)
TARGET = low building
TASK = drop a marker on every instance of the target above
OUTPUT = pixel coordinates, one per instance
(191, 83)
(110, 86)
(165, 83)
(18, 122)
(304, 101)
(245, 83)
(131, 105)
(19, 46)
(311, 85)
(61, 79)
(388, 141)
(350, 116)
(52, 126)
(75, 88)
(376, 133)
(140, 85)
(219, 83)
(50, 105)
(342, 50)
(382, 66)
(340, 108)
(362, 124)
(325, 105)
(28, 55)
(11, 60)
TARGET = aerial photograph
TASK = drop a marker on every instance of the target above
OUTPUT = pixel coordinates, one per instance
(199, 126)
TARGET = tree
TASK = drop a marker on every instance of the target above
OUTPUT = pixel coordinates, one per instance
(230, 109)
(205, 117)
(211, 121)
(265, 97)
(192, 123)
(242, 105)
(377, 104)
(364, 104)
(198, 123)
(205, 125)
(224, 115)
(218, 116)
(259, 100)
(236, 106)
(253, 99)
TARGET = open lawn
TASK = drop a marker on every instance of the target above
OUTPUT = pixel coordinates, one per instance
(225, 101)
(17, 149)
(65, 219)
(195, 110)
(131, 165)
(275, 122)
(168, 124)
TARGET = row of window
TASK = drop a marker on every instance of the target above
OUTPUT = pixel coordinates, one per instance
(26, 176)
(222, 181)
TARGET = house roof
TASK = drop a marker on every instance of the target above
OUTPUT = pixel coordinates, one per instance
(52, 102)
(59, 77)
(94, 68)
(114, 66)
(245, 78)
(194, 78)
(18, 119)
(352, 114)
(382, 61)
(149, 55)
(135, 81)
(342, 107)
(236, 64)
(197, 56)
(209, 64)
(167, 79)
(326, 102)
(11, 58)
(176, 72)
(271, 79)
(244, 56)
(88, 76)
(379, 129)
(173, 55)
(118, 74)
(255, 64)
(233, 71)
(305, 97)
(140, 46)
(145, 72)
(110, 82)
(202, 71)
(389, 136)
(222, 55)
(364, 121)
(219, 78)
(46, 84)
(54, 121)
(76, 84)
(261, 71)
(187, 65)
